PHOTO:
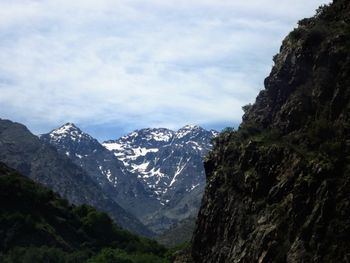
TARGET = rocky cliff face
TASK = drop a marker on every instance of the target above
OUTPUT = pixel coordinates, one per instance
(278, 188)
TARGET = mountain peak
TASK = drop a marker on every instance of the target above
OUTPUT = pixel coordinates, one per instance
(189, 130)
(191, 127)
(66, 128)
(70, 124)
(68, 131)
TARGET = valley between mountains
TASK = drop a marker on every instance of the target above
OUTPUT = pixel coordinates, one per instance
(274, 190)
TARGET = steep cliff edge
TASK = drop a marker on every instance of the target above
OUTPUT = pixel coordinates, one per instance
(278, 188)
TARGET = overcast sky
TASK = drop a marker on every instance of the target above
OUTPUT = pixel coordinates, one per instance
(112, 66)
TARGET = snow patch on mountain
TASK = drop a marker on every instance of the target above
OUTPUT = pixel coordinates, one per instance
(114, 146)
(180, 168)
(186, 130)
(160, 136)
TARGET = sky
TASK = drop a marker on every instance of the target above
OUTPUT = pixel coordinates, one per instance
(113, 66)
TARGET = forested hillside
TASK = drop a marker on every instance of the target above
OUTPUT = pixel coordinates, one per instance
(37, 225)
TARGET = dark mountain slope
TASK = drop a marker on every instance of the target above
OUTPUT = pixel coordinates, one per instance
(25, 152)
(278, 188)
(87, 153)
(36, 225)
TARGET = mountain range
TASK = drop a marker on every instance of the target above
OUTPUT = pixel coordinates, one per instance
(155, 174)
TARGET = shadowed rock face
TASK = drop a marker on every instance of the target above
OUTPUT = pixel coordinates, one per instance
(278, 188)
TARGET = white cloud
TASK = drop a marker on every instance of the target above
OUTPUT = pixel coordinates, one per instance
(135, 62)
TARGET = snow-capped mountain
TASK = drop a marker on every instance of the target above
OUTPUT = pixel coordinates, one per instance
(156, 174)
(169, 163)
(102, 166)
(87, 152)
(163, 158)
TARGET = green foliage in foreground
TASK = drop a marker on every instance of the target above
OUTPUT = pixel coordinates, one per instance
(56, 255)
(36, 225)
(44, 254)
(119, 256)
